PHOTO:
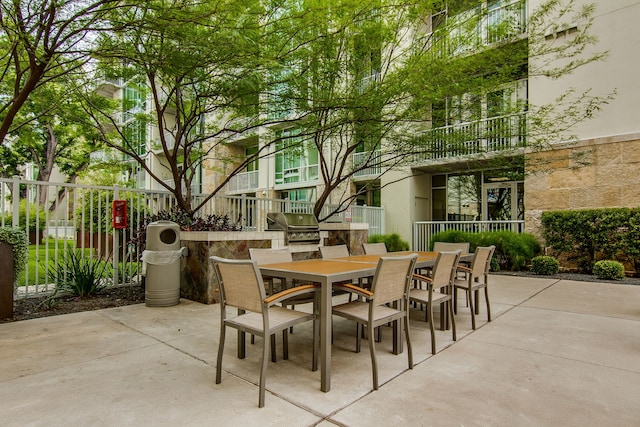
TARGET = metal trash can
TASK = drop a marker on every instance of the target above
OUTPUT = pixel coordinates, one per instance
(162, 257)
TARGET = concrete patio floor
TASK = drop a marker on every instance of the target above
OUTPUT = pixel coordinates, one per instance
(556, 353)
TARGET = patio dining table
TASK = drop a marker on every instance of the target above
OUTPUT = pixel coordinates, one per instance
(328, 272)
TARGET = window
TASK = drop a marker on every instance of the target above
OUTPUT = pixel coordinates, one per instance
(296, 159)
(134, 128)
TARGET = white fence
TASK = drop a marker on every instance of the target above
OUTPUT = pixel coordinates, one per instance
(423, 231)
(63, 216)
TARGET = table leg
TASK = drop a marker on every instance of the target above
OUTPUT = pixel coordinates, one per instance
(242, 344)
(325, 336)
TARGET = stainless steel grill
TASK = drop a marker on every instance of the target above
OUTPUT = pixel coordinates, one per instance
(298, 228)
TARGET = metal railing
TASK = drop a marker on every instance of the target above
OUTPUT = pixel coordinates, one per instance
(243, 182)
(62, 217)
(474, 137)
(423, 231)
(367, 157)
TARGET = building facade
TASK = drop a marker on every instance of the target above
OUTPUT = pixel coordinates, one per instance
(495, 173)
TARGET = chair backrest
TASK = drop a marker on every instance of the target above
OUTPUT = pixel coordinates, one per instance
(392, 278)
(338, 251)
(450, 247)
(270, 256)
(482, 260)
(444, 269)
(374, 248)
(240, 282)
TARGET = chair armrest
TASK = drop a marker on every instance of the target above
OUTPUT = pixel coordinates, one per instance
(465, 269)
(355, 289)
(291, 292)
(422, 278)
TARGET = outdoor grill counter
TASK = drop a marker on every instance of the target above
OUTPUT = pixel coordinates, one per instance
(162, 257)
(299, 228)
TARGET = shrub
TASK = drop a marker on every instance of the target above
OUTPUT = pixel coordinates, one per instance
(79, 274)
(588, 235)
(18, 239)
(513, 250)
(393, 242)
(207, 223)
(31, 219)
(544, 265)
(608, 270)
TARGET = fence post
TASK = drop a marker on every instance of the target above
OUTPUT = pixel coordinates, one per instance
(15, 201)
(114, 251)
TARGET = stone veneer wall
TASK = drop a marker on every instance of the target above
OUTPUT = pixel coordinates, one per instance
(594, 173)
(197, 280)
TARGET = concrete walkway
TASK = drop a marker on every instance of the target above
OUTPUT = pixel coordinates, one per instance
(556, 353)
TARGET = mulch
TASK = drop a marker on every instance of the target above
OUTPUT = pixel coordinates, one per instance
(43, 306)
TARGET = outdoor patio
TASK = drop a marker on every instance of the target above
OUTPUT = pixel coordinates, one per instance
(557, 353)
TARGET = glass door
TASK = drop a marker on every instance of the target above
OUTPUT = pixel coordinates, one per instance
(500, 201)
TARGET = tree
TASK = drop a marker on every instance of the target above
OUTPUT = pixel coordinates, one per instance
(374, 80)
(42, 42)
(192, 62)
(351, 77)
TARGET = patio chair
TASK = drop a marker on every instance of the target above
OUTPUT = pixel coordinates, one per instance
(337, 251)
(241, 286)
(374, 248)
(386, 301)
(271, 256)
(477, 278)
(453, 246)
(439, 290)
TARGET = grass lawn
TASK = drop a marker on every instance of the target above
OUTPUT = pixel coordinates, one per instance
(38, 258)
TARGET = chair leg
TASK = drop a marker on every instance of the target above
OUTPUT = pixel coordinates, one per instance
(274, 358)
(455, 300)
(358, 338)
(407, 337)
(486, 297)
(471, 309)
(263, 371)
(285, 345)
(453, 320)
(372, 351)
(220, 351)
(431, 328)
(476, 295)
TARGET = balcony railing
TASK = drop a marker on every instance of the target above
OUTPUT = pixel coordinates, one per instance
(468, 31)
(367, 158)
(243, 182)
(476, 137)
(297, 175)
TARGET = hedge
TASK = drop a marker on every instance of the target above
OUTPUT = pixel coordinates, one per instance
(589, 235)
(513, 250)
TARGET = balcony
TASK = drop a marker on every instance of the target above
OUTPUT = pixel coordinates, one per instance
(473, 29)
(244, 182)
(371, 160)
(495, 134)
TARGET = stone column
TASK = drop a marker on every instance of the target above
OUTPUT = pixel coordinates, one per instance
(6, 280)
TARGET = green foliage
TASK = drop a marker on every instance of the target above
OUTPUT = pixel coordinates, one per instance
(79, 274)
(31, 219)
(186, 222)
(18, 239)
(545, 265)
(513, 250)
(608, 270)
(589, 235)
(393, 242)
